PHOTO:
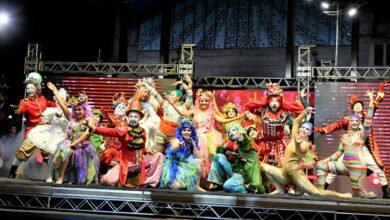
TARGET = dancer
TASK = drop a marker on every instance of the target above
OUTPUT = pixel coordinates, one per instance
(274, 112)
(291, 171)
(371, 150)
(181, 170)
(77, 158)
(351, 145)
(169, 117)
(236, 166)
(32, 107)
(131, 159)
(209, 137)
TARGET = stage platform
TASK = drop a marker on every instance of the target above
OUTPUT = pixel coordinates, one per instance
(23, 199)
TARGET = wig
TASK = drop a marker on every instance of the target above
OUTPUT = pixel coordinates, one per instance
(187, 123)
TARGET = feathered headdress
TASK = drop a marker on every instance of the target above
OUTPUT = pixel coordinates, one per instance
(82, 99)
(274, 89)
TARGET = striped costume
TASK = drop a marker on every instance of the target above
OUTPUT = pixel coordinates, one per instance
(353, 164)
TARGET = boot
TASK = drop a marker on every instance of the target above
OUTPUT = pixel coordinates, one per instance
(326, 186)
(386, 192)
(12, 171)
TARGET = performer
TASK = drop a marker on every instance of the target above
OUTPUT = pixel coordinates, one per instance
(169, 117)
(291, 171)
(209, 137)
(78, 156)
(274, 112)
(97, 141)
(351, 145)
(32, 107)
(371, 151)
(181, 170)
(132, 160)
(228, 116)
(236, 166)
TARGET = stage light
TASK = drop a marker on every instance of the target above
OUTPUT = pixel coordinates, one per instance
(4, 19)
(325, 5)
(352, 12)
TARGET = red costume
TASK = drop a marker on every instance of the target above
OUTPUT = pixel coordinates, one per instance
(274, 139)
(33, 109)
(132, 150)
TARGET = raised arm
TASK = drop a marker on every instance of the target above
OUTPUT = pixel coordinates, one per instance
(183, 113)
(188, 88)
(370, 114)
(60, 101)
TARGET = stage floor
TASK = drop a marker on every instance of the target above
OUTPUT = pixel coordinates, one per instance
(43, 199)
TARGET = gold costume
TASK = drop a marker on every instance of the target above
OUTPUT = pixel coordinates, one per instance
(291, 172)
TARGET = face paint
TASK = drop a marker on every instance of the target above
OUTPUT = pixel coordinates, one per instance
(120, 110)
(134, 119)
(31, 90)
(235, 135)
(274, 104)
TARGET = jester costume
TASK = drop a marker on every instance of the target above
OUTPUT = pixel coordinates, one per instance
(273, 122)
(131, 156)
(353, 164)
(371, 152)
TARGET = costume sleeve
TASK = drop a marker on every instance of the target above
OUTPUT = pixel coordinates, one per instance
(368, 121)
(23, 107)
(339, 124)
(50, 103)
(189, 99)
(256, 107)
(297, 123)
(338, 153)
(112, 132)
(293, 107)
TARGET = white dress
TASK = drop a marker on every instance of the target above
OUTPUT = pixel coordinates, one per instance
(47, 137)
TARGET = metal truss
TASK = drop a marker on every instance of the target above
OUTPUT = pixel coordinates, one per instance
(56, 67)
(246, 82)
(355, 73)
(167, 209)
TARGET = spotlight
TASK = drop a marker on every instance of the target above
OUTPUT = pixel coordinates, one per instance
(352, 12)
(4, 18)
(325, 5)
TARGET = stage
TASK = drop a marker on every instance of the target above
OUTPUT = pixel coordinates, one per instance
(21, 198)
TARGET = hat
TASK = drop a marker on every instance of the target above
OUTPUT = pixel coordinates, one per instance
(274, 89)
(352, 100)
(82, 99)
(135, 106)
(35, 79)
(99, 112)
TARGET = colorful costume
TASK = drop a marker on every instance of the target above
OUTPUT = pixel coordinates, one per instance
(273, 122)
(353, 164)
(180, 169)
(242, 172)
(291, 171)
(83, 164)
(371, 152)
(132, 159)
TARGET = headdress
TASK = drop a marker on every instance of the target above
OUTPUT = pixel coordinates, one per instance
(81, 100)
(274, 89)
(35, 79)
(186, 123)
(98, 112)
(236, 126)
(201, 92)
(135, 106)
(309, 124)
(228, 106)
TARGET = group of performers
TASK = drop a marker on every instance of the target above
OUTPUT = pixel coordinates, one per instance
(171, 141)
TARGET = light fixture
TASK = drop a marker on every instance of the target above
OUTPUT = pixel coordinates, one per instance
(4, 18)
(325, 5)
(352, 12)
